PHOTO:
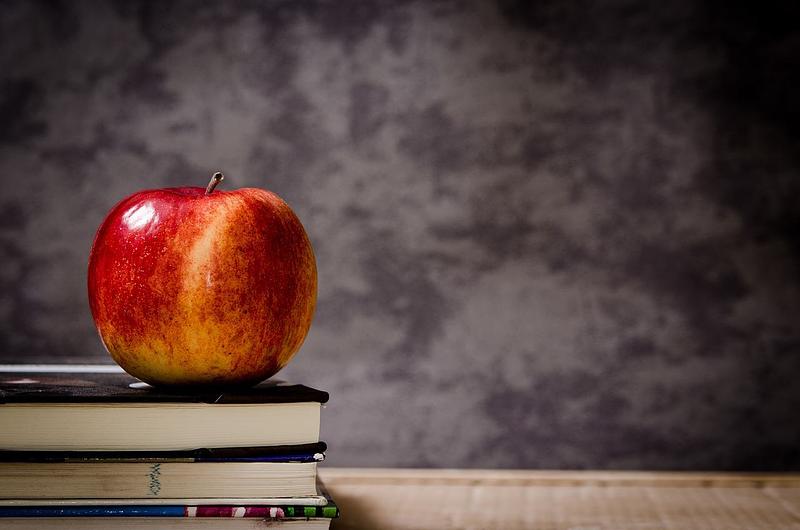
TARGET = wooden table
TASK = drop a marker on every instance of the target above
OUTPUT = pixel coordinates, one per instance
(562, 500)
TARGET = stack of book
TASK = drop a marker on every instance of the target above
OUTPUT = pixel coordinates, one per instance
(92, 447)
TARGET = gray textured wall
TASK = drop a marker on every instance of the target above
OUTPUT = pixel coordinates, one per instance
(549, 235)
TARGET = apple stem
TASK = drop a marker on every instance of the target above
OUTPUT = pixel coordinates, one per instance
(216, 178)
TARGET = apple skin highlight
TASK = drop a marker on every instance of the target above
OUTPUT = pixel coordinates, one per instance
(189, 287)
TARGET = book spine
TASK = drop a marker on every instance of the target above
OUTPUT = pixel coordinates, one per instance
(262, 512)
(92, 511)
(330, 512)
(271, 512)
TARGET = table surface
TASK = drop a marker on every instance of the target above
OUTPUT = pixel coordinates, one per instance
(562, 500)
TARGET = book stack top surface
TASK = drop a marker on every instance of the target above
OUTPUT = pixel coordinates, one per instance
(107, 383)
(121, 448)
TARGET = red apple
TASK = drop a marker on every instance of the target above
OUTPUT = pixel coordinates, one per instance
(191, 286)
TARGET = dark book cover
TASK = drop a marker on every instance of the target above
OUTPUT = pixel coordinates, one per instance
(279, 453)
(109, 384)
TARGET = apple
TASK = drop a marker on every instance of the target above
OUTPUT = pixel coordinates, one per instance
(189, 286)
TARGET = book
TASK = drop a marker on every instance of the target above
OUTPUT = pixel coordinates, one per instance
(101, 408)
(330, 510)
(288, 513)
(174, 480)
(162, 523)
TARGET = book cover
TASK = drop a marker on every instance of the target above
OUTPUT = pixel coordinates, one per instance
(110, 384)
(314, 452)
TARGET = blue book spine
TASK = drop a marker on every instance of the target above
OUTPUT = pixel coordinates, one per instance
(92, 511)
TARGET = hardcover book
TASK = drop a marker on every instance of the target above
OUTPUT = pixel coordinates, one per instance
(169, 480)
(100, 408)
(329, 511)
(162, 523)
(289, 513)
